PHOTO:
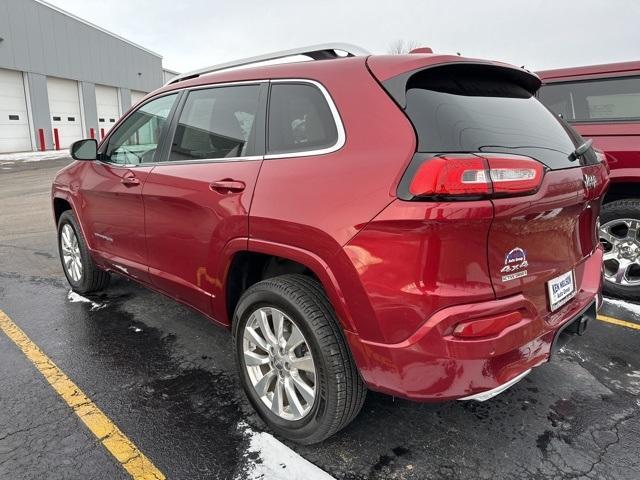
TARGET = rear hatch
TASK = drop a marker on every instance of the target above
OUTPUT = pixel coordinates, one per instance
(490, 112)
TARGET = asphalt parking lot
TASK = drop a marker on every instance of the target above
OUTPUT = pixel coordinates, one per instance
(165, 377)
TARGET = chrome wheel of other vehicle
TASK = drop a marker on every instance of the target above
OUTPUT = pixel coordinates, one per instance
(71, 255)
(279, 363)
(621, 241)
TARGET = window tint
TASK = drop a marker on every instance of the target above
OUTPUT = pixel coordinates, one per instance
(467, 110)
(594, 100)
(216, 123)
(299, 119)
(136, 140)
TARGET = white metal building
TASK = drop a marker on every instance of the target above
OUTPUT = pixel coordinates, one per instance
(62, 78)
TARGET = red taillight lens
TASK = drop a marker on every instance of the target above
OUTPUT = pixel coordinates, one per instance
(451, 175)
(475, 175)
(486, 327)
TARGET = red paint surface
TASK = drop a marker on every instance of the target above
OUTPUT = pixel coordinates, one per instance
(400, 275)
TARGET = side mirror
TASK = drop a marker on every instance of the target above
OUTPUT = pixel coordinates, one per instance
(86, 149)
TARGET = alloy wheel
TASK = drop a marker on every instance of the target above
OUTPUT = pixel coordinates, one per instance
(621, 241)
(279, 363)
(71, 255)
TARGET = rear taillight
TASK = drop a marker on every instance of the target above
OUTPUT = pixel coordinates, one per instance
(483, 175)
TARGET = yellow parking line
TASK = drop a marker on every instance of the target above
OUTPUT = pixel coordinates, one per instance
(615, 321)
(123, 449)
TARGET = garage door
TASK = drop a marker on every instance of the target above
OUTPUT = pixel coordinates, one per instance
(108, 107)
(64, 105)
(136, 96)
(14, 124)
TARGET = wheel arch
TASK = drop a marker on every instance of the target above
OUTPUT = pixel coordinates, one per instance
(247, 266)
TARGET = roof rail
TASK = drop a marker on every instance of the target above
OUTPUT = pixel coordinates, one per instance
(316, 52)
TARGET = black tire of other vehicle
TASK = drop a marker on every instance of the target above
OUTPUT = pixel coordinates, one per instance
(340, 392)
(93, 278)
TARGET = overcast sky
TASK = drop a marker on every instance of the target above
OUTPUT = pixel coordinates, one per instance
(538, 33)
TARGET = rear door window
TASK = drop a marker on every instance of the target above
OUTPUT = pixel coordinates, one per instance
(217, 123)
(610, 99)
(470, 110)
(300, 119)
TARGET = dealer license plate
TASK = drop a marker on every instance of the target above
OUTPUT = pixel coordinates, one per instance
(561, 289)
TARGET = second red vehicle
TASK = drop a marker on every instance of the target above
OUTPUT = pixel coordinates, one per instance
(419, 225)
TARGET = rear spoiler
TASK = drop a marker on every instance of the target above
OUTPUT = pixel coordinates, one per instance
(397, 86)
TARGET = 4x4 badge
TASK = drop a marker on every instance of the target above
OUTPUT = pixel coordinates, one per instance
(515, 264)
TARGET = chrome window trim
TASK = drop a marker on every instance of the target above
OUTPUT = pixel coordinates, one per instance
(209, 160)
(341, 140)
(342, 137)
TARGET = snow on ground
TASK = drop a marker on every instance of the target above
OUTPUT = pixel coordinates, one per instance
(75, 298)
(632, 308)
(277, 461)
(12, 158)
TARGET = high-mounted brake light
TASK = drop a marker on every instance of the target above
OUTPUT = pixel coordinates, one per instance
(470, 175)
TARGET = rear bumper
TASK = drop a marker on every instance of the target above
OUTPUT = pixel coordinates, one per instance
(433, 365)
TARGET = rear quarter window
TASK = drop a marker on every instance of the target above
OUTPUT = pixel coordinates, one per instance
(300, 119)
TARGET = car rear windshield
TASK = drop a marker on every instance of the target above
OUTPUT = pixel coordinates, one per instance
(462, 108)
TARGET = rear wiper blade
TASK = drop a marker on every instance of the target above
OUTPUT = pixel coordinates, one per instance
(580, 151)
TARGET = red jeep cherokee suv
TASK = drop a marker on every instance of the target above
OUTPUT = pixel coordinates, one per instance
(420, 225)
(602, 102)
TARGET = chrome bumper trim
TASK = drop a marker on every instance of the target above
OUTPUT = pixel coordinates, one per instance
(482, 396)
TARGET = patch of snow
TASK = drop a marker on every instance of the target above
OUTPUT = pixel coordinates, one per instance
(5, 158)
(135, 329)
(277, 461)
(77, 298)
(633, 308)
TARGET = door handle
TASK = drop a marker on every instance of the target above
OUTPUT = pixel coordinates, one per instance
(130, 181)
(227, 186)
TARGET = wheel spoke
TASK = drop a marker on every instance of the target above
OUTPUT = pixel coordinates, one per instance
(292, 397)
(295, 339)
(278, 325)
(305, 390)
(304, 363)
(262, 387)
(620, 275)
(611, 255)
(256, 338)
(607, 236)
(253, 359)
(265, 328)
(277, 401)
(632, 231)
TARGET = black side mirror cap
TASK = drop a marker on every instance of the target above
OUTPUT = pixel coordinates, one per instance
(86, 149)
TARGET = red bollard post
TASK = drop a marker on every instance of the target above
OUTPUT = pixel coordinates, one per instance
(56, 139)
(102, 134)
(92, 133)
(43, 145)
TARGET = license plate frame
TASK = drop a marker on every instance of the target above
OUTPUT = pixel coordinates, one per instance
(559, 291)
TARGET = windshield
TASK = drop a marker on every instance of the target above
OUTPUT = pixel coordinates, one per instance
(485, 113)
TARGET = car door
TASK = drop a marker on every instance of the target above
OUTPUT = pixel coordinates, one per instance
(199, 197)
(112, 208)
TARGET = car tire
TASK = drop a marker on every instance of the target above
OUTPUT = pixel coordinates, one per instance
(614, 213)
(71, 245)
(339, 390)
